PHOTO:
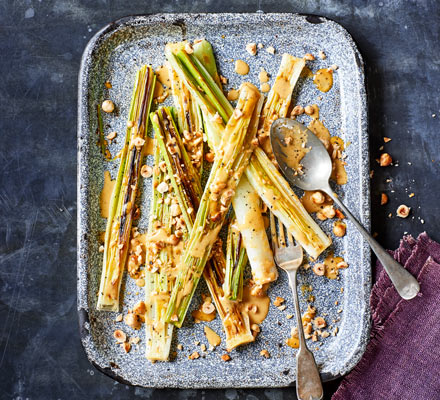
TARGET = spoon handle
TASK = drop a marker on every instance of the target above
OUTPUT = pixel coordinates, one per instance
(405, 284)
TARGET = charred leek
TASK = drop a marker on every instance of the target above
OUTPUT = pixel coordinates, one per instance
(117, 234)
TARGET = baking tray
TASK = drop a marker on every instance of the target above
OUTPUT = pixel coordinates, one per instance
(115, 53)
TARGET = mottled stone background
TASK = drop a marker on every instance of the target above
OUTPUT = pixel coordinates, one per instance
(41, 43)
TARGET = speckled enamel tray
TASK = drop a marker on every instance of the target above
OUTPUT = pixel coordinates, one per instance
(115, 53)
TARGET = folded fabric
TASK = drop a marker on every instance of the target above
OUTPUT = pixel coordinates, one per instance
(402, 360)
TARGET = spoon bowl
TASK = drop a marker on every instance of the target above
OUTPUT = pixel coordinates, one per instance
(316, 163)
(308, 165)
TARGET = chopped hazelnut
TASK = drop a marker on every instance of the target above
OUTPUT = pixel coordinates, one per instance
(179, 347)
(270, 50)
(139, 308)
(203, 347)
(297, 110)
(322, 55)
(175, 210)
(278, 301)
(162, 187)
(138, 141)
(319, 322)
(135, 340)
(120, 336)
(146, 171)
(308, 110)
(101, 248)
(325, 334)
(341, 265)
(126, 346)
(383, 199)
(111, 135)
(174, 318)
(386, 139)
(264, 353)
(403, 211)
(223, 79)
(108, 106)
(339, 228)
(260, 45)
(210, 157)
(133, 320)
(309, 57)
(255, 327)
(208, 308)
(385, 160)
(194, 355)
(329, 211)
(226, 357)
(318, 198)
(188, 48)
(307, 329)
(251, 48)
(108, 84)
(118, 318)
(319, 269)
(130, 124)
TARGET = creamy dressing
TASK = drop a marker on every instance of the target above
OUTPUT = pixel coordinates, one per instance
(149, 146)
(282, 87)
(310, 205)
(263, 76)
(241, 67)
(295, 148)
(330, 262)
(233, 94)
(106, 194)
(213, 338)
(265, 87)
(306, 73)
(256, 314)
(323, 79)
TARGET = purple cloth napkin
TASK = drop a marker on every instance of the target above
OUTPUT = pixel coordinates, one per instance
(402, 360)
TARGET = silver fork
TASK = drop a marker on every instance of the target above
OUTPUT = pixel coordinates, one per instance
(289, 257)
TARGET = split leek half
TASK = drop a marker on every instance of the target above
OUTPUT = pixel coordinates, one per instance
(217, 110)
(158, 271)
(174, 155)
(279, 98)
(228, 167)
(122, 205)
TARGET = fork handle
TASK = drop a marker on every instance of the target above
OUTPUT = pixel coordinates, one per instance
(308, 380)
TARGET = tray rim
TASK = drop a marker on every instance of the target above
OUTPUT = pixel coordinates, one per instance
(82, 194)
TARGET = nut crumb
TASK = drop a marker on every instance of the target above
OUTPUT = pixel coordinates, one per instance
(118, 318)
(308, 110)
(188, 48)
(194, 356)
(411, 195)
(309, 57)
(203, 347)
(126, 346)
(383, 199)
(260, 45)
(403, 211)
(108, 106)
(297, 110)
(251, 48)
(325, 334)
(282, 308)
(386, 139)
(289, 316)
(135, 340)
(319, 322)
(339, 228)
(278, 301)
(255, 327)
(270, 50)
(385, 160)
(108, 84)
(341, 265)
(101, 248)
(111, 135)
(322, 55)
(179, 347)
(120, 336)
(319, 269)
(146, 171)
(226, 357)
(264, 353)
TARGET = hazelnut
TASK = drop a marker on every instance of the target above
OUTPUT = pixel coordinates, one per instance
(132, 320)
(319, 269)
(208, 308)
(146, 171)
(251, 48)
(210, 157)
(108, 106)
(297, 110)
(194, 356)
(139, 308)
(162, 187)
(226, 357)
(188, 48)
(383, 199)
(278, 301)
(319, 322)
(308, 110)
(318, 198)
(403, 211)
(339, 228)
(120, 336)
(385, 160)
(341, 265)
(329, 211)
(175, 210)
(270, 50)
(309, 57)
(111, 135)
(126, 346)
(264, 353)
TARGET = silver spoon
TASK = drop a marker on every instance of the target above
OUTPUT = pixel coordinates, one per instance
(316, 171)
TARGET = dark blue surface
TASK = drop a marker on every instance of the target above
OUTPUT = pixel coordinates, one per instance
(41, 43)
